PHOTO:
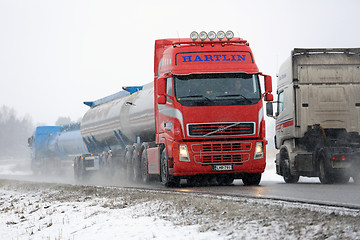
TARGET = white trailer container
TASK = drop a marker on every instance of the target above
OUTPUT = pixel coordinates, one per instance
(318, 115)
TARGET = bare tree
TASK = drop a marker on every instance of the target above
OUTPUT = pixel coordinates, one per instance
(14, 132)
(63, 121)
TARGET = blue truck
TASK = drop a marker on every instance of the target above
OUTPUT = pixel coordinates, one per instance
(54, 147)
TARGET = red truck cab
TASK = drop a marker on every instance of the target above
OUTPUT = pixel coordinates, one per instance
(209, 119)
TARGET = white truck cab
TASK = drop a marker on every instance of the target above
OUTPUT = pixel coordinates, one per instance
(318, 115)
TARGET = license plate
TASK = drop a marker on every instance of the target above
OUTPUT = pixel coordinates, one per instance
(223, 168)
(340, 164)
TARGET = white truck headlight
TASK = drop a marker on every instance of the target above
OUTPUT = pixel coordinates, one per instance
(259, 150)
(183, 153)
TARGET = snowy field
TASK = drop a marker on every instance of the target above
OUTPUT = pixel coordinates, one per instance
(34, 210)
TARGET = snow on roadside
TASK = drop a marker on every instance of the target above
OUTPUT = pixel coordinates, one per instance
(59, 211)
(32, 217)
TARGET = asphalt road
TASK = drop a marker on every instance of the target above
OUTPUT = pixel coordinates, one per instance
(346, 195)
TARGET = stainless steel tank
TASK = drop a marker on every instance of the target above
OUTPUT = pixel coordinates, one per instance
(124, 118)
(70, 143)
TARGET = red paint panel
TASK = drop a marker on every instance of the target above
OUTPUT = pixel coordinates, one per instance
(285, 124)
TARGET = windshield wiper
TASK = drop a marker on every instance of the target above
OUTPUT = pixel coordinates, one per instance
(235, 95)
(197, 96)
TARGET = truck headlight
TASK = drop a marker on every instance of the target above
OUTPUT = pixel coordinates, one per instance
(259, 150)
(183, 153)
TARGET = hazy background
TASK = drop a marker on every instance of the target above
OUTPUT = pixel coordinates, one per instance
(56, 54)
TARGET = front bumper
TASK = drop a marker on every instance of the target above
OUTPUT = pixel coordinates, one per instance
(218, 157)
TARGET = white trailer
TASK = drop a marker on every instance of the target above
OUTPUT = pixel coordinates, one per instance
(318, 115)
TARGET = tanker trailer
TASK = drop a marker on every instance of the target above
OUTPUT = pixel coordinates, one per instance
(111, 125)
(68, 145)
(201, 119)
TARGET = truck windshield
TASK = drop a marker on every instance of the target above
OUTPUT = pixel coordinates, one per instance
(217, 89)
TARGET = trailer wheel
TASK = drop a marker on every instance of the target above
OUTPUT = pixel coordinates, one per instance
(251, 179)
(76, 169)
(144, 167)
(136, 162)
(285, 169)
(324, 175)
(166, 179)
(79, 170)
(128, 158)
(341, 178)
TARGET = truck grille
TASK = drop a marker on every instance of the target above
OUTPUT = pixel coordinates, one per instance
(221, 153)
(226, 147)
(221, 129)
(223, 159)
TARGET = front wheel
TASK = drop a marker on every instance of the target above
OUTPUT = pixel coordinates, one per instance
(251, 179)
(166, 179)
(288, 176)
(224, 180)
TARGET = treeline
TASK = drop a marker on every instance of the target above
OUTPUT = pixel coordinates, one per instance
(14, 132)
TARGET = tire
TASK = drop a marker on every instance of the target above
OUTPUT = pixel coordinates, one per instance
(136, 162)
(251, 179)
(224, 180)
(80, 172)
(76, 169)
(107, 169)
(324, 175)
(145, 177)
(285, 166)
(128, 162)
(166, 179)
(341, 178)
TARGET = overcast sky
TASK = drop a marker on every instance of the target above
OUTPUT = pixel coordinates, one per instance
(54, 55)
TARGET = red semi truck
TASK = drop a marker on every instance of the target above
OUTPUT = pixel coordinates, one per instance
(201, 119)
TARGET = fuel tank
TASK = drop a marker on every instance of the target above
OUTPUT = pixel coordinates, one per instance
(118, 122)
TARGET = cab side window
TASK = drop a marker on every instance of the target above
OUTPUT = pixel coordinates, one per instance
(169, 89)
(280, 106)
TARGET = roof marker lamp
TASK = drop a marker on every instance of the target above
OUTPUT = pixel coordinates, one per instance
(194, 36)
(212, 35)
(203, 36)
(220, 35)
(229, 35)
(183, 153)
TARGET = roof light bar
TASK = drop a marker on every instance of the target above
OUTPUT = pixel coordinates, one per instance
(211, 35)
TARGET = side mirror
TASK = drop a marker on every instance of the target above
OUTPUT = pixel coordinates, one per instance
(269, 97)
(269, 110)
(268, 83)
(161, 99)
(161, 86)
